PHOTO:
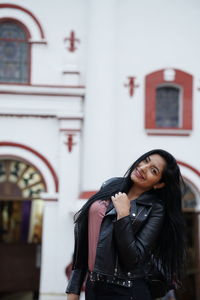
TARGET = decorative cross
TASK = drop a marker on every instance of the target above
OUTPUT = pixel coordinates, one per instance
(72, 40)
(70, 142)
(131, 85)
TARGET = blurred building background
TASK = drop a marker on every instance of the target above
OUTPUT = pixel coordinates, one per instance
(87, 86)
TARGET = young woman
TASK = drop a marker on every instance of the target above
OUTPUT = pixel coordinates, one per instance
(130, 222)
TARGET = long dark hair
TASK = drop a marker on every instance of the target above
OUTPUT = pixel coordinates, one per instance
(170, 251)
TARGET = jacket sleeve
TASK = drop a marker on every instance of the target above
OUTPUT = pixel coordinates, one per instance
(76, 281)
(135, 248)
(79, 271)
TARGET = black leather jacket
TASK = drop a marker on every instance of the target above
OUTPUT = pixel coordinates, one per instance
(124, 245)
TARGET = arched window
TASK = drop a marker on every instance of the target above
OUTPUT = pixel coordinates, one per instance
(14, 52)
(168, 102)
(168, 107)
(21, 207)
(190, 206)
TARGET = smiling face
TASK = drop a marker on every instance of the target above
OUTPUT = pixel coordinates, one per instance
(148, 173)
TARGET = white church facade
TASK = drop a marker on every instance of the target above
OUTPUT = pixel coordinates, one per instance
(85, 88)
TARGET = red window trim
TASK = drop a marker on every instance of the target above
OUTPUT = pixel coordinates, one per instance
(152, 82)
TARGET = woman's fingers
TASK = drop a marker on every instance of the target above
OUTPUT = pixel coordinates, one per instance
(117, 195)
(122, 204)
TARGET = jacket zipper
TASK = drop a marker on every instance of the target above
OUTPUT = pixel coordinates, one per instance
(116, 265)
(77, 238)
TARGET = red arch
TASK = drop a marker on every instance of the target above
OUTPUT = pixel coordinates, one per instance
(14, 6)
(189, 167)
(35, 152)
(19, 158)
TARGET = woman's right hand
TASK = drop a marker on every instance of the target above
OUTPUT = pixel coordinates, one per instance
(72, 297)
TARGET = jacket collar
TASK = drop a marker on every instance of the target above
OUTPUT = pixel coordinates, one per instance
(148, 198)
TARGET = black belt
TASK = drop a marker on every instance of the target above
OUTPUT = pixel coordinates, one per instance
(96, 277)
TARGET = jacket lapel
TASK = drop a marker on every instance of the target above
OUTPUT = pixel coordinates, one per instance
(111, 209)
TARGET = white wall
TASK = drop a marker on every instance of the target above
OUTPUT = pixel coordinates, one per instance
(118, 39)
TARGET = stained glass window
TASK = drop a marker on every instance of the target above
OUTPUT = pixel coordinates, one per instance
(21, 207)
(189, 201)
(167, 106)
(14, 53)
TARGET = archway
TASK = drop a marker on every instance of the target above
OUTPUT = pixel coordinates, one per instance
(21, 212)
(190, 207)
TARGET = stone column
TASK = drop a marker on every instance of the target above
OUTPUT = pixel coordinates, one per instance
(58, 248)
(69, 157)
(99, 122)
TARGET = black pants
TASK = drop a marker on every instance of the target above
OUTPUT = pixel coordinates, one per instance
(108, 291)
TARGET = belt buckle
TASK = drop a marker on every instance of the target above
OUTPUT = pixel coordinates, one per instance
(91, 277)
